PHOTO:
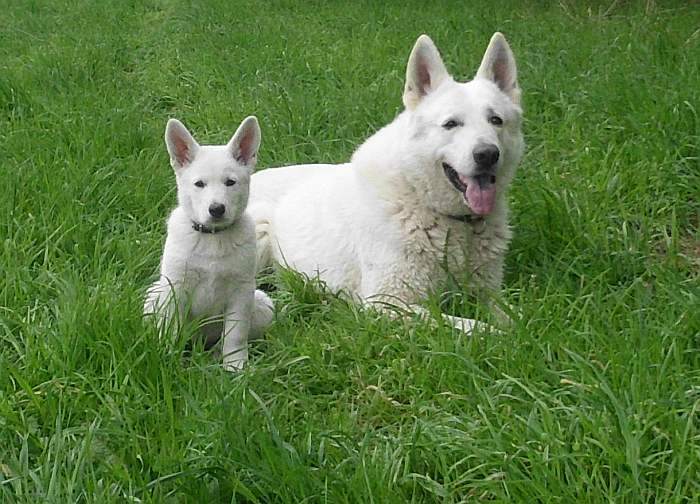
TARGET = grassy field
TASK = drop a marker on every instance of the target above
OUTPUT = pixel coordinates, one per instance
(593, 396)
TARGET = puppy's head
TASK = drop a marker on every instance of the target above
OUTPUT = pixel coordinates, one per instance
(213, 181)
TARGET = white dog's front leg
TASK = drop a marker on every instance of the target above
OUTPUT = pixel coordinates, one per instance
(467, 325)
(488, 277)
(386, 303)
(235, 346)
(165, 305)
(158, 297)
(236, 330)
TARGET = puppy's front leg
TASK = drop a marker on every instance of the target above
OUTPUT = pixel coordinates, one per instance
(165, 304)
(236, 329)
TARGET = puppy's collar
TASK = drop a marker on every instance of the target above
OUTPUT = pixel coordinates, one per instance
(467, 219)
(201, 228)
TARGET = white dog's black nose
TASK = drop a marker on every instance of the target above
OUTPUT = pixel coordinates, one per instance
(486, 155)
(217, 210)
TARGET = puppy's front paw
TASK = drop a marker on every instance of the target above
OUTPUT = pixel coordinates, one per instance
(235, 359)
(233, 365)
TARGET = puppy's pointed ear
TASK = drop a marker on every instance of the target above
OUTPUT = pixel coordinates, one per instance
(424, 73)
(244, 144)
(182, 147)
(498, 65)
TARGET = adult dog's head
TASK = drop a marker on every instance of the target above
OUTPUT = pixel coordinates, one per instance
(464, 138)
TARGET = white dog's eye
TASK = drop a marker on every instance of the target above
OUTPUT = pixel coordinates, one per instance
(199, 184)
(452, 123)
(495, 120)
(230, 182)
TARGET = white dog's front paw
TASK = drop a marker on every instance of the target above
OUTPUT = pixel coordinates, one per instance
(234, 364)
(234, 357)
(505, 314)
(468, 326)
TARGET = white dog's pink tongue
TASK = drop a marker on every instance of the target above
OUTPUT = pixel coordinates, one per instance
(480, 196)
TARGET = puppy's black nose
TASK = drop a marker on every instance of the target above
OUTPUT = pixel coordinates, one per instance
(486, 155)
(217, 210)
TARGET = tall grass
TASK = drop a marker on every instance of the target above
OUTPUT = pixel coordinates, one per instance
(592, 396)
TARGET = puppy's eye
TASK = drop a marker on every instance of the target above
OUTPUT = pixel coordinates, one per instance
(448, 125)
(199, 184)
(495, 120)
(230, 182)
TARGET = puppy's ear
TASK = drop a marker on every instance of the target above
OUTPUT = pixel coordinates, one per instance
(182, 147)
(498, 65)
(244, 144)
(424, 73)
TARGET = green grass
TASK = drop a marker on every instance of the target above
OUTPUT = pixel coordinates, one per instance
(593, 396)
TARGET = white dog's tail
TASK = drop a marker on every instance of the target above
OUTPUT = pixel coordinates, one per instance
(263, 313)
(263, 247)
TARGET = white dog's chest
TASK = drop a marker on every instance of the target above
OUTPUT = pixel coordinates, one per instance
(208, 274)
(211, 294)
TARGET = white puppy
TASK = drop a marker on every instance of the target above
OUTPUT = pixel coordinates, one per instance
(425, 194)
(208, 264)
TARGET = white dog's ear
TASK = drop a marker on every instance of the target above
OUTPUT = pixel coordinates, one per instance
(424, 73)
(498, 65)
(182, 147)
(245, 142)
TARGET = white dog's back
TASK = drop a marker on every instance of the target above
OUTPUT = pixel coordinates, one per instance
(279, 199)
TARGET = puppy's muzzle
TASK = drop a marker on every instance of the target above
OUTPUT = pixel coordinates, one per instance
(217, 210)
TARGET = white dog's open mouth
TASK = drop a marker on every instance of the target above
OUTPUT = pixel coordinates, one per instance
(478, 191)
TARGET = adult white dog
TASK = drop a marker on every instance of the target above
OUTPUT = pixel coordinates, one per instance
(424, 194)
(208, 264)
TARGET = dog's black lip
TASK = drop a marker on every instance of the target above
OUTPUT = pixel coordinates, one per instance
(482, 179)
(452, 176)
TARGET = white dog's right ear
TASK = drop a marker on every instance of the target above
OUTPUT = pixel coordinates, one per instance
(182, 147)
(244, 144)
(424, 73)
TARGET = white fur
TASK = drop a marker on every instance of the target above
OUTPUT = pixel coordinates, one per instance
(379, 227)
(212, 275)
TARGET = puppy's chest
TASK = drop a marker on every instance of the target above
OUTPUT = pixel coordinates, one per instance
(213, 274)
(210, 288)
(209, 278)
(211, 294)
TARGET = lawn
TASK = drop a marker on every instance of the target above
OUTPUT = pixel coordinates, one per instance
(592, 396)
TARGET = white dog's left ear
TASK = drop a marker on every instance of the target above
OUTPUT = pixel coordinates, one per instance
(498, 65)
(424, 73)
(244, 144)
